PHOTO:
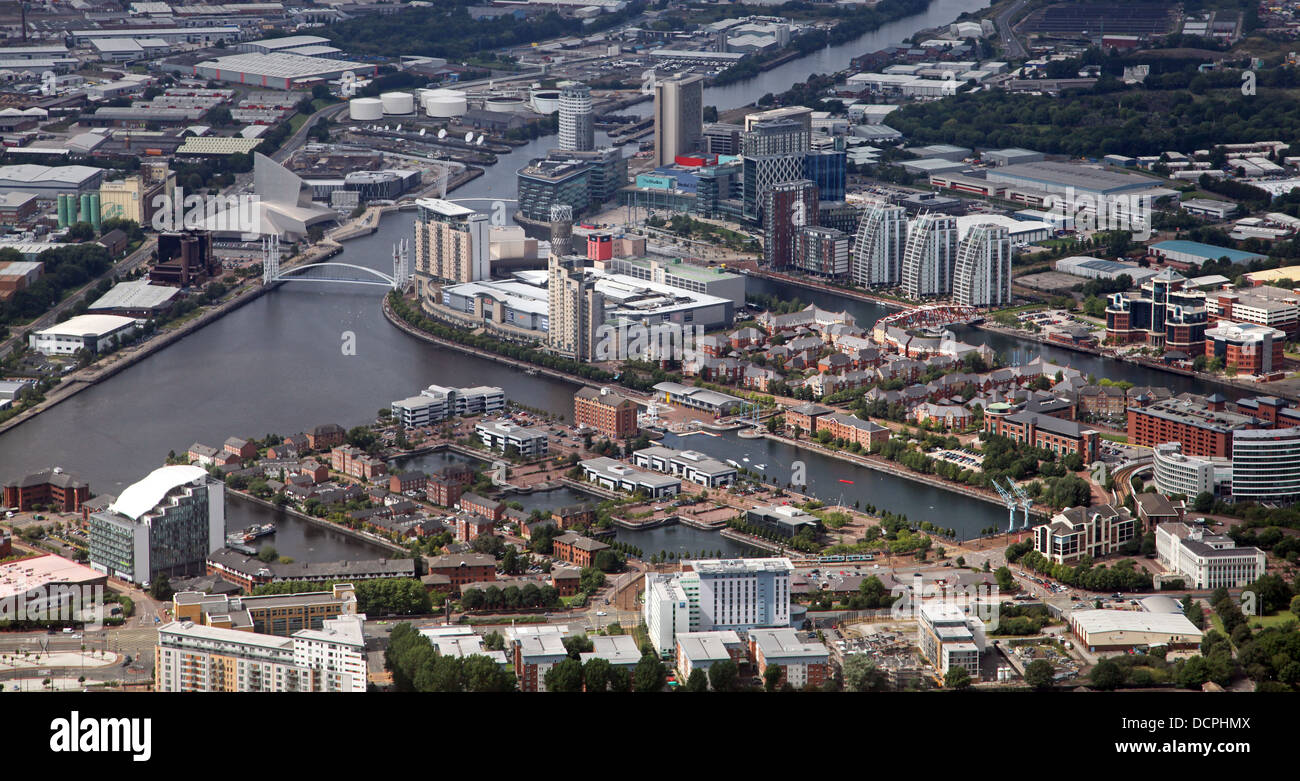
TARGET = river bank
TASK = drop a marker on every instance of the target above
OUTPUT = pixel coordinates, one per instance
(407, 328)
(1261, 388)
(129, 357)
(857, 295)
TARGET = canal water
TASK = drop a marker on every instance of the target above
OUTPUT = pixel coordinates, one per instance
(300, 540)
(837, 482)
(430, 462)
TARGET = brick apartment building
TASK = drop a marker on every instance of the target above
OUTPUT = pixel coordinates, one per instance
(463, 568)
(804, 417)
(609, 413)
(53, 488)
(470, 526)
(240, 447)
(408, 481)
(443, 491)
(575, 516)
(575, 549)
(803, 663)
(1202, 429)
(488, 508)
(354, 462)
(853, 429)
(326, 436)
(1062, 437)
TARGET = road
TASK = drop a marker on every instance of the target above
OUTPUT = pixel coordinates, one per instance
(1014, 49)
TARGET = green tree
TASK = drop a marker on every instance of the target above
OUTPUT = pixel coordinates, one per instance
(862, 675)
(698, 681)
(596, 674)
(161, 588)
(772, 677)
(957, 678)
(565, 676)
(722, 675)
(483, 674)
(1107, 675)
(649, 674)
(1040, 674)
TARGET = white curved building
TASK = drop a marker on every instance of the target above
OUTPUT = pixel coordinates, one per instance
(366, 109)
(877, 259)
(1176, 473)
(929, 256)
(1266, 465)
(983, 271)
(398, 102)
(577, 128)
(167, 523)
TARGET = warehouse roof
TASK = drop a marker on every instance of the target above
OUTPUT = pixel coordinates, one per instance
(29, 173)
(1208, 251)
(1090, 621)
(217, 145)
(282, 65)
(138, 294)
(82, 325)
(1073, 175)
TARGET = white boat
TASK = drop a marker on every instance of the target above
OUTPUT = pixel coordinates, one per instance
(733, 463)
(761, 466)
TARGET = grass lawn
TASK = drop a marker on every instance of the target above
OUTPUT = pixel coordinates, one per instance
(1121, 438)
(1277, 619)
(296, 122)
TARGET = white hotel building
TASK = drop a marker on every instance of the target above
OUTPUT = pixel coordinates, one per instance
(1206, 561)
(439, 402)
(500, 436)
(718, 594)
(687, 464)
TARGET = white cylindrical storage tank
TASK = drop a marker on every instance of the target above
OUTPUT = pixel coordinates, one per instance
(422, 97)
(546, 101)
(446, 103)
(508, 104)
(366, 109)
(398, 102)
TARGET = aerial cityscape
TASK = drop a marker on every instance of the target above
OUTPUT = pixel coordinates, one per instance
(650, 346)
